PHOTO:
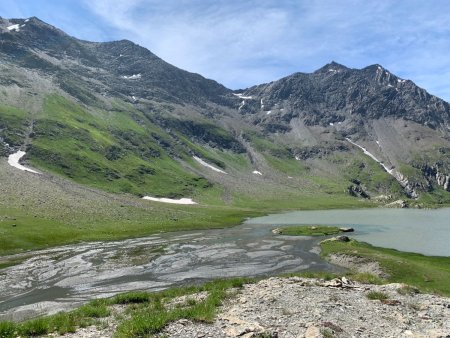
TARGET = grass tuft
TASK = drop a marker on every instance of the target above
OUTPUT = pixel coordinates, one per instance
(94, 309)
(8, 329)
(35, 327)
(309, 230)
(367, 278)
(131, 298)
(376, 295)
(151, 319)
(408, 290)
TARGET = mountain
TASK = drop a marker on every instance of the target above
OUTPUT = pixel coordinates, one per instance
(114, 116)
(402, 125)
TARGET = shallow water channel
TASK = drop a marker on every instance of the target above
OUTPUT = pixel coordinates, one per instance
(63, 277)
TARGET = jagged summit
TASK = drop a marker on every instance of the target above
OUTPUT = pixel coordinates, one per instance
(331, 67)
(25, 25)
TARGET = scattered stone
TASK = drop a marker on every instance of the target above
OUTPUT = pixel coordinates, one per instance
(397, 204)
(390, 301)
(342, 311)
(313, 332)
(337, 238)
(346, 229)
(339, 283)
(276, 231)
(342, 239)
(332, 326)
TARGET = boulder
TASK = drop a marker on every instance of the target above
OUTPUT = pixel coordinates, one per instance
(397, 204)
(337, 238)
(342, 239)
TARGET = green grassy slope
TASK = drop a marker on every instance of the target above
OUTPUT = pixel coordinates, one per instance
(109, 150)
(13, 126)
(429, 274)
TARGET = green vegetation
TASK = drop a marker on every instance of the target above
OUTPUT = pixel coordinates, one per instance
(290, 200)
(309, 230)
(56, 228)
(408, 290)
(326, 333)
(371, 174)
(428, 274)
(375, 295)
(109, 150)
(13, 125)
(146, 313)
(63, 322)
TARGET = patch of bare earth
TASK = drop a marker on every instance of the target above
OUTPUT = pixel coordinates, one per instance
(358, 264)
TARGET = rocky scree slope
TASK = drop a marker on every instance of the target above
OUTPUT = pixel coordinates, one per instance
(115, 116)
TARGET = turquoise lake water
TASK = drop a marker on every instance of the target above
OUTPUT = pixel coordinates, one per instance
(415, 230)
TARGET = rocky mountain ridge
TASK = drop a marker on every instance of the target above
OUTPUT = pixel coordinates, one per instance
(119, 101)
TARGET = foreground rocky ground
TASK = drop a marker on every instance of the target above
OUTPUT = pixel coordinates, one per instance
(300, 307)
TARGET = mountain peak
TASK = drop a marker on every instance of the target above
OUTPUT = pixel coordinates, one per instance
(333, 66)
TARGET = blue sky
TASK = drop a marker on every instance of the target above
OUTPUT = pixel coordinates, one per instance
(243, 43)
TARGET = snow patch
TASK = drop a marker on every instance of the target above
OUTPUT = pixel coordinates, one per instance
(391, 171)
(134, 98)
(331, 124)
(203, 163)
(256, 172)
(401, 81)
(394, 173)
(132, 77)
(269, 112)
(13, 28)
(241, 96)
(13, 160)
(170, 200)
(297, 158)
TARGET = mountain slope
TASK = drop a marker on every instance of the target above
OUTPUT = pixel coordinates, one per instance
(401, 124)
(116, 117)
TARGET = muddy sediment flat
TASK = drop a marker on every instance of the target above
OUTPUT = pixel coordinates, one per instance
(63, 277)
